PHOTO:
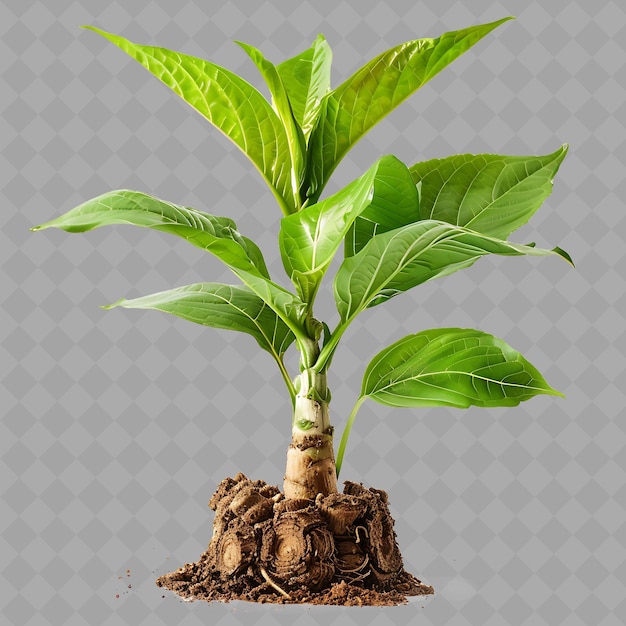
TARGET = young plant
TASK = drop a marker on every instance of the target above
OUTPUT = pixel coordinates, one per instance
(398, 227)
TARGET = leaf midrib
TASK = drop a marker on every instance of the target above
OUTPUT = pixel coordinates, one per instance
(471, 375)
(363, 305)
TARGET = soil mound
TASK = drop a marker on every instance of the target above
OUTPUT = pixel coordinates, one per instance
(340, 549)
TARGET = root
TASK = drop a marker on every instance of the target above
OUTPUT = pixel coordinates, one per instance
(271, 583)
(359, 529)
(337, 548)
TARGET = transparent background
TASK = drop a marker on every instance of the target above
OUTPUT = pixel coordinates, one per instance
(117, 425)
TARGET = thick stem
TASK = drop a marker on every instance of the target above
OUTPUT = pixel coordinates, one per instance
(310, 457)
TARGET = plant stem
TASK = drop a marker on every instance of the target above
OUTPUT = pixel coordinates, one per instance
(346, 433)
(310, 458)
(309, 352)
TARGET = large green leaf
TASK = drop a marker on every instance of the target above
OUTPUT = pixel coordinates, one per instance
(353, 108)
(307, 80)
(232, 307)
(488, 193)
(309, 239)
(455, 367)
(400, 259)
(231, 104)
(217, 235)
(280, 102)
(452, 367)
(395, 203)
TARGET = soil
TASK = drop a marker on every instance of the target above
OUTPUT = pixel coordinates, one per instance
(340, 549)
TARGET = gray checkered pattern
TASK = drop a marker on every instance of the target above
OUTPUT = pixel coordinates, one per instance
(116, 426)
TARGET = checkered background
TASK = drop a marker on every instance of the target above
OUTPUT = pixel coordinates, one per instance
(117, 425)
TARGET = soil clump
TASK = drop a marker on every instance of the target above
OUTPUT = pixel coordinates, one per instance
(340, 549)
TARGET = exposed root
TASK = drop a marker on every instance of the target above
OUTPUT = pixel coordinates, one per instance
(339, 549)
(271, 583)
(357, 533)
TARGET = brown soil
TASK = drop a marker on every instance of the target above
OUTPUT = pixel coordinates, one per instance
(340, 549)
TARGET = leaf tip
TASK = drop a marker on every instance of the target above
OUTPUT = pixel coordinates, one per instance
(499, 22)
(113, 305)
(559, 154)
(44, 226)
(99, 31)
(564, 255)
(555, 392)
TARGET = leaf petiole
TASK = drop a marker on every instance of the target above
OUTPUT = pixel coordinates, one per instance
(346, 433)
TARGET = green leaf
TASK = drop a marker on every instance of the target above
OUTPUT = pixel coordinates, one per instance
(231, 104)
(353, 108)
(307, 80)
(217, 235)
(452, 367)
(231, 307)
(489, 193)
(395, 203)
(309, 239)
(280, 102)
(287, 305)
(400, 259)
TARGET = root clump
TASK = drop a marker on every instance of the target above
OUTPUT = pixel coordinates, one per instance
(340, 549)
